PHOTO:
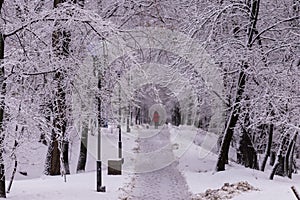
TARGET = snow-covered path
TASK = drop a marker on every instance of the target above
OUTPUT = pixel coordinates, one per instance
(157, 176)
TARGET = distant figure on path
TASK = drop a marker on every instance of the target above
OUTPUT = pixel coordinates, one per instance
(156, 119)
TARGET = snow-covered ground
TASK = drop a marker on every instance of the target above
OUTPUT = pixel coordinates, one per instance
(78, 187)
(166, 163)
(36, 186)
(197, 165)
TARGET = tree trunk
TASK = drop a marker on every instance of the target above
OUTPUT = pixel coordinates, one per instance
(279, 158)
(247, 153)
(2, 87)
(83, 149)
(53, 158)
(138, 116)
(65, 156)
(176, 115)
(58, 138)
(60, 42)
(288, 167)
(233, 118)
(272, 158)
(15, 167)
(291, 162)
(234, 115)
(268, 147)
(60, 121)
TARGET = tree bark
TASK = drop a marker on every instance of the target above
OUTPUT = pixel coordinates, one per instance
(288, 169)
(279, 158)
(83, 149)
(291, 161)
(247, 153)
(15, 167)
(53, 158)
(176, 115)
(2, 87)
(268, 147)
(138, 116)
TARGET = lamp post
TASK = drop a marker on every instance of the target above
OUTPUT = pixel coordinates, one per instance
(128, 119)
(120, 118)
(99, 186)
(129, 102)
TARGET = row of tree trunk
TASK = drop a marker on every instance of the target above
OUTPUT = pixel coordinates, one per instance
(234, 115)
(246, 151)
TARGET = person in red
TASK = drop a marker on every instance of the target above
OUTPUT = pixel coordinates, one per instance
(156, 119)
